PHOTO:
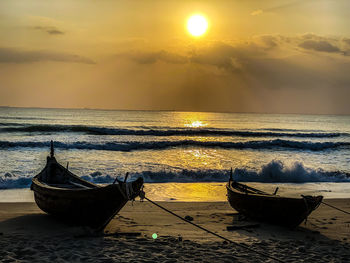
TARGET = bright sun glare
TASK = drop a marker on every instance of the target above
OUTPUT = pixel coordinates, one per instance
(195, 124)
(197, 25)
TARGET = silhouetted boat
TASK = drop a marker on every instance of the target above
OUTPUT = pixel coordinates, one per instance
(271, 208)
(60, 193)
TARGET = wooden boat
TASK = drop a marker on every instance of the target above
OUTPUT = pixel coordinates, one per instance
(271, 208)
(62, 194)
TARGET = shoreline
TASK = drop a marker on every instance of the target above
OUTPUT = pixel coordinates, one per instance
(208, 191)
(29, 234)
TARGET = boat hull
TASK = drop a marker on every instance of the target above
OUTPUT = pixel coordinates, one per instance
(62, 194)
(86, 207)
(284, 211)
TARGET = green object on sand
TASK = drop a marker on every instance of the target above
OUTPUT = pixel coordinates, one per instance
(154, 235)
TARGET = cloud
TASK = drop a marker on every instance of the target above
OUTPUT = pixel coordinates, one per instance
(276, 8)
(223, 56)
(233, 57)
(49, 30)
(10, 55)
(270, 41)
(246, 75)
(311, 36)
(152, 57)
(319, 45)
(220, 55)
(257, 12)
(54, 32)
(346, 40)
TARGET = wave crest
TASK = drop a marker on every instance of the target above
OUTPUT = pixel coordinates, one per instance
(273, 172)
(277, 172)
(9, 181)
(161, 145)
(167, 132)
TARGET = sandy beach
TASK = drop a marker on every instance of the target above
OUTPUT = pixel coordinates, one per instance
(29, 235)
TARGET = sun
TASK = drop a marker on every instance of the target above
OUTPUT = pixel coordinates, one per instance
(197, 25)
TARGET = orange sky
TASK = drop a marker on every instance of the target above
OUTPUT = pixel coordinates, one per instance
(257, 56)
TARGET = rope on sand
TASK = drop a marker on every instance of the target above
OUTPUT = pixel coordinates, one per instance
(217, 235)
(346, 212)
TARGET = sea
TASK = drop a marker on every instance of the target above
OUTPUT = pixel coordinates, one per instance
(182, 156)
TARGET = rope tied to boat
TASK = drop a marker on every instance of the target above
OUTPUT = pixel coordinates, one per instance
(346, 212)
(127, 190)
(209, 231)
(332, 206)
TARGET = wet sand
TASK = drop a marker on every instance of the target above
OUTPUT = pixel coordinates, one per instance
(29, 235)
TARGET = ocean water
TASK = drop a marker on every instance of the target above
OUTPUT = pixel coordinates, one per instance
(171, 148)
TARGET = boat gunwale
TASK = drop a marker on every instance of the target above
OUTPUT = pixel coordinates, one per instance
(40, 184)
(230, 188)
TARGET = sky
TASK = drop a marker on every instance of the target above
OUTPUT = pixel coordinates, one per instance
(270, 56)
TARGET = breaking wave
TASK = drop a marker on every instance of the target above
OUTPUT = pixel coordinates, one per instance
(9, 181)
(160, 145)
(167, 132)
(277, 172)
(10, 124)
(273, 172)
(21, 118)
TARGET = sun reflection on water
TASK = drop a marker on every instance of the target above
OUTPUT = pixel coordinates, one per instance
(195, 124)
(192, 119)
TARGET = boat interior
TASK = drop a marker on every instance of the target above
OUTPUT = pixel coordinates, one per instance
(248, 190)
(69, 185)
(56, 175)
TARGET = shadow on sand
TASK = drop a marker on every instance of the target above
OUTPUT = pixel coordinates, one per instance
(37, 224)
(261, 231)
